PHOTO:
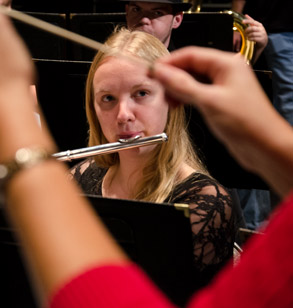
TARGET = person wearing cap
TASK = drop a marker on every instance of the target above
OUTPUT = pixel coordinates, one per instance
(158, 18)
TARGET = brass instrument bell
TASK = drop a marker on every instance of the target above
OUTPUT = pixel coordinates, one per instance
(247, 47)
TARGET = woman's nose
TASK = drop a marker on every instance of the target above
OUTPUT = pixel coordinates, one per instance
(125, 113)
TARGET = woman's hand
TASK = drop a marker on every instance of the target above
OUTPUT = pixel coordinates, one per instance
(221, 85)
(235, 107)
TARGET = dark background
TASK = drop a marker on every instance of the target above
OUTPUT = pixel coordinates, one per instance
(95, 6)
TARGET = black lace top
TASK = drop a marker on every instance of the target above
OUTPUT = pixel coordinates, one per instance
(211, 214)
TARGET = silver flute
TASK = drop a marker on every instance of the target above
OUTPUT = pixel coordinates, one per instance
(121, 144)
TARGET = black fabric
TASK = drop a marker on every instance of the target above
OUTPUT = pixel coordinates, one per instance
(178, 5)
(171, 46)
(275, 15)
(211, 214)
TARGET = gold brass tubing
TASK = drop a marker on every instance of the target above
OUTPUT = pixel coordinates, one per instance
(247, 47)
(195, 6)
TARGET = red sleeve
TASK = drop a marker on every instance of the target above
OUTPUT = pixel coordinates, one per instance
(110, 286)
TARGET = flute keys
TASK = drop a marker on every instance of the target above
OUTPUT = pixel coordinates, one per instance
(129, 140)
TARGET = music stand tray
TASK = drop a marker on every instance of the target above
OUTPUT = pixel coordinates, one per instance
(155, 236)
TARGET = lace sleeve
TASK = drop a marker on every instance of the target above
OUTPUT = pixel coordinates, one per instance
(77, 171)
(211, 219)
(89, 176)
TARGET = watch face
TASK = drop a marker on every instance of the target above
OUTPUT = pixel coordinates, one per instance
(24, 158)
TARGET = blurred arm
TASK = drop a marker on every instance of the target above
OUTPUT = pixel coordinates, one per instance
(60, 234)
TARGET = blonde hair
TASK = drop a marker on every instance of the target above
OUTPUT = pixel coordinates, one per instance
(162, 171)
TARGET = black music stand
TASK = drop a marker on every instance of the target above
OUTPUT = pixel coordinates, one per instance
(54, 6)
(213, 30)
(97, 26)
(61, 95)
(220, 163)
(16, 290)
(156, 236)
(201, 29)
(42, 44)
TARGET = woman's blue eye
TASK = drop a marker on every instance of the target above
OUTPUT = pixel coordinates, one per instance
(141, 93)
(107, 98)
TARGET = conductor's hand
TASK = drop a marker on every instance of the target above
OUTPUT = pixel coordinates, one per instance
(230, 98)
